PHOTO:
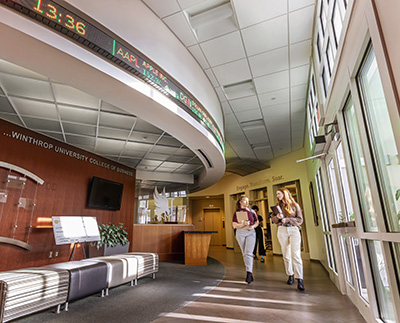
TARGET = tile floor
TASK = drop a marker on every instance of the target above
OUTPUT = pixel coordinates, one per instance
(268, 298)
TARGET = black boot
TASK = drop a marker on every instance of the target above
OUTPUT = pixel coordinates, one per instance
(249, 277)
(300, 285)
(290, 281)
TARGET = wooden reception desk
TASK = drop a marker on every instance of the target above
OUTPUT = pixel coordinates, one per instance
(197, 244)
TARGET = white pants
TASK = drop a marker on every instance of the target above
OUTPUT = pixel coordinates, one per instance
(290, 240)
(246, 240)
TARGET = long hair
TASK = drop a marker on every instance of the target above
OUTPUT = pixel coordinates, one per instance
(287, 202)
(238, 207)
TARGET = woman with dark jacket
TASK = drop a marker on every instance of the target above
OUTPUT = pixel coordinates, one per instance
(259, 236)
(289, 221)
(244, 221)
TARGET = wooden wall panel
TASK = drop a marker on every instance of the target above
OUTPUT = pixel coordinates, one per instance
(64, 192)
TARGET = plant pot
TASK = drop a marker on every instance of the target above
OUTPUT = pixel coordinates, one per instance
(108, 251)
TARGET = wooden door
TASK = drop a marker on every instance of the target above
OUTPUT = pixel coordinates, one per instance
(213, 222)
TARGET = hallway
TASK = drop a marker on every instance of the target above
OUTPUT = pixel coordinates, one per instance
(268, 298)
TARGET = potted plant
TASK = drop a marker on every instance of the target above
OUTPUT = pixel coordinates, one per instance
(113, 240)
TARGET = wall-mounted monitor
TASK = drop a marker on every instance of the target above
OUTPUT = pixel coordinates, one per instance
(105, 194)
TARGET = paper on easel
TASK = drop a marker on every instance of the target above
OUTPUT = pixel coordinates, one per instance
(241, 216)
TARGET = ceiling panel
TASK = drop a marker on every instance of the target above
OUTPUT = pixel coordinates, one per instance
(71, 96)
(248, 115)
(276, 110)
(301, 24)
(80, 129)
(297, 4)
(110, 133)
(163, 8)
(266, 36)
(87, 116)
(258, 11)
(274, 98)
(180, 26)
(299, 75)
(42, 124)
(27, 88)
(223, 49)
(270, 62)
(211, 77)
(5, 105)
(199, 56)
(12, 118)
(300, 53)
(115, 121)
(35, 109)
(243, 104)
(299, 92)
(272, 82)
(233, 72)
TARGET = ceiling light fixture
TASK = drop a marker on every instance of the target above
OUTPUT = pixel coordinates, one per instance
(245, 88)
(253, 124)
(211, 16)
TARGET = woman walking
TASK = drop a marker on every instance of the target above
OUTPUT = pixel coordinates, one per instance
(244, 221)
(289, 219)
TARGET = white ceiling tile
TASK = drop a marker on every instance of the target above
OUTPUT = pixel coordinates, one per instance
(276, 110)
(243, 104)
(223, 49)
(116, 121)
(163, 8)
(248, 115)
(188, 3)
(264, 154)
(211, 77)
(79, 129)
(221, 94)
(233, 72)
(109, 146)
(299, 75)
(270, 62)
(300, 53)
(258, 10)
(23, 87)
(226, 108)
(69, 95)
(180, 26)
(298, 106)
(216, 29)
(297, 4)
(274, 98)
(35, 109)
(199, 56)
(87, 116)
(266, 36)
(298, 92)
(9, 68)
(256, 136)
(300, 24)
(272, 82)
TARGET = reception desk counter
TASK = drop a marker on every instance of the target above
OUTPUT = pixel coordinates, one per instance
(197, 244)
(164, 239)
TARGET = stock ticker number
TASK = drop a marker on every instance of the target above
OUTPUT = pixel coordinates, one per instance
(60, 15)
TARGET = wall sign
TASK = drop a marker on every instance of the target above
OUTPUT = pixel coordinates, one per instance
(79, 30)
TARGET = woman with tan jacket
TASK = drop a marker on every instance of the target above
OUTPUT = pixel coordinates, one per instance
(289, 221)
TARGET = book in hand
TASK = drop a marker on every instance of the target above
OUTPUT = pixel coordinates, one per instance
(276, 210)
(241, 216)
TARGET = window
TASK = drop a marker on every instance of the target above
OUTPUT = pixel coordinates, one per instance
(335, 193)
(322, 17)
(324, 82)
(362, 286)
(396, 254)
(385, 153)
(360, 172)
(329, 57)
(336, 23)
(381, 282)
(346, 260)
(344, 181)
(319, 47)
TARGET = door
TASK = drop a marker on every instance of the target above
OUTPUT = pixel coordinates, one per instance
(213, 222)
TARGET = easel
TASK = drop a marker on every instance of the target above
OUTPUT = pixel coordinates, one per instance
(71, 256)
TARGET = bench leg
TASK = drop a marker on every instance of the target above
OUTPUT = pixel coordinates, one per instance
(107, 291)
(58, 309)
(66, 307)
(102, 293)
(135, 282)
(154, 275)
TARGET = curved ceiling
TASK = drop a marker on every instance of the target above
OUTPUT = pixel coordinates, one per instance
(257, 55)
